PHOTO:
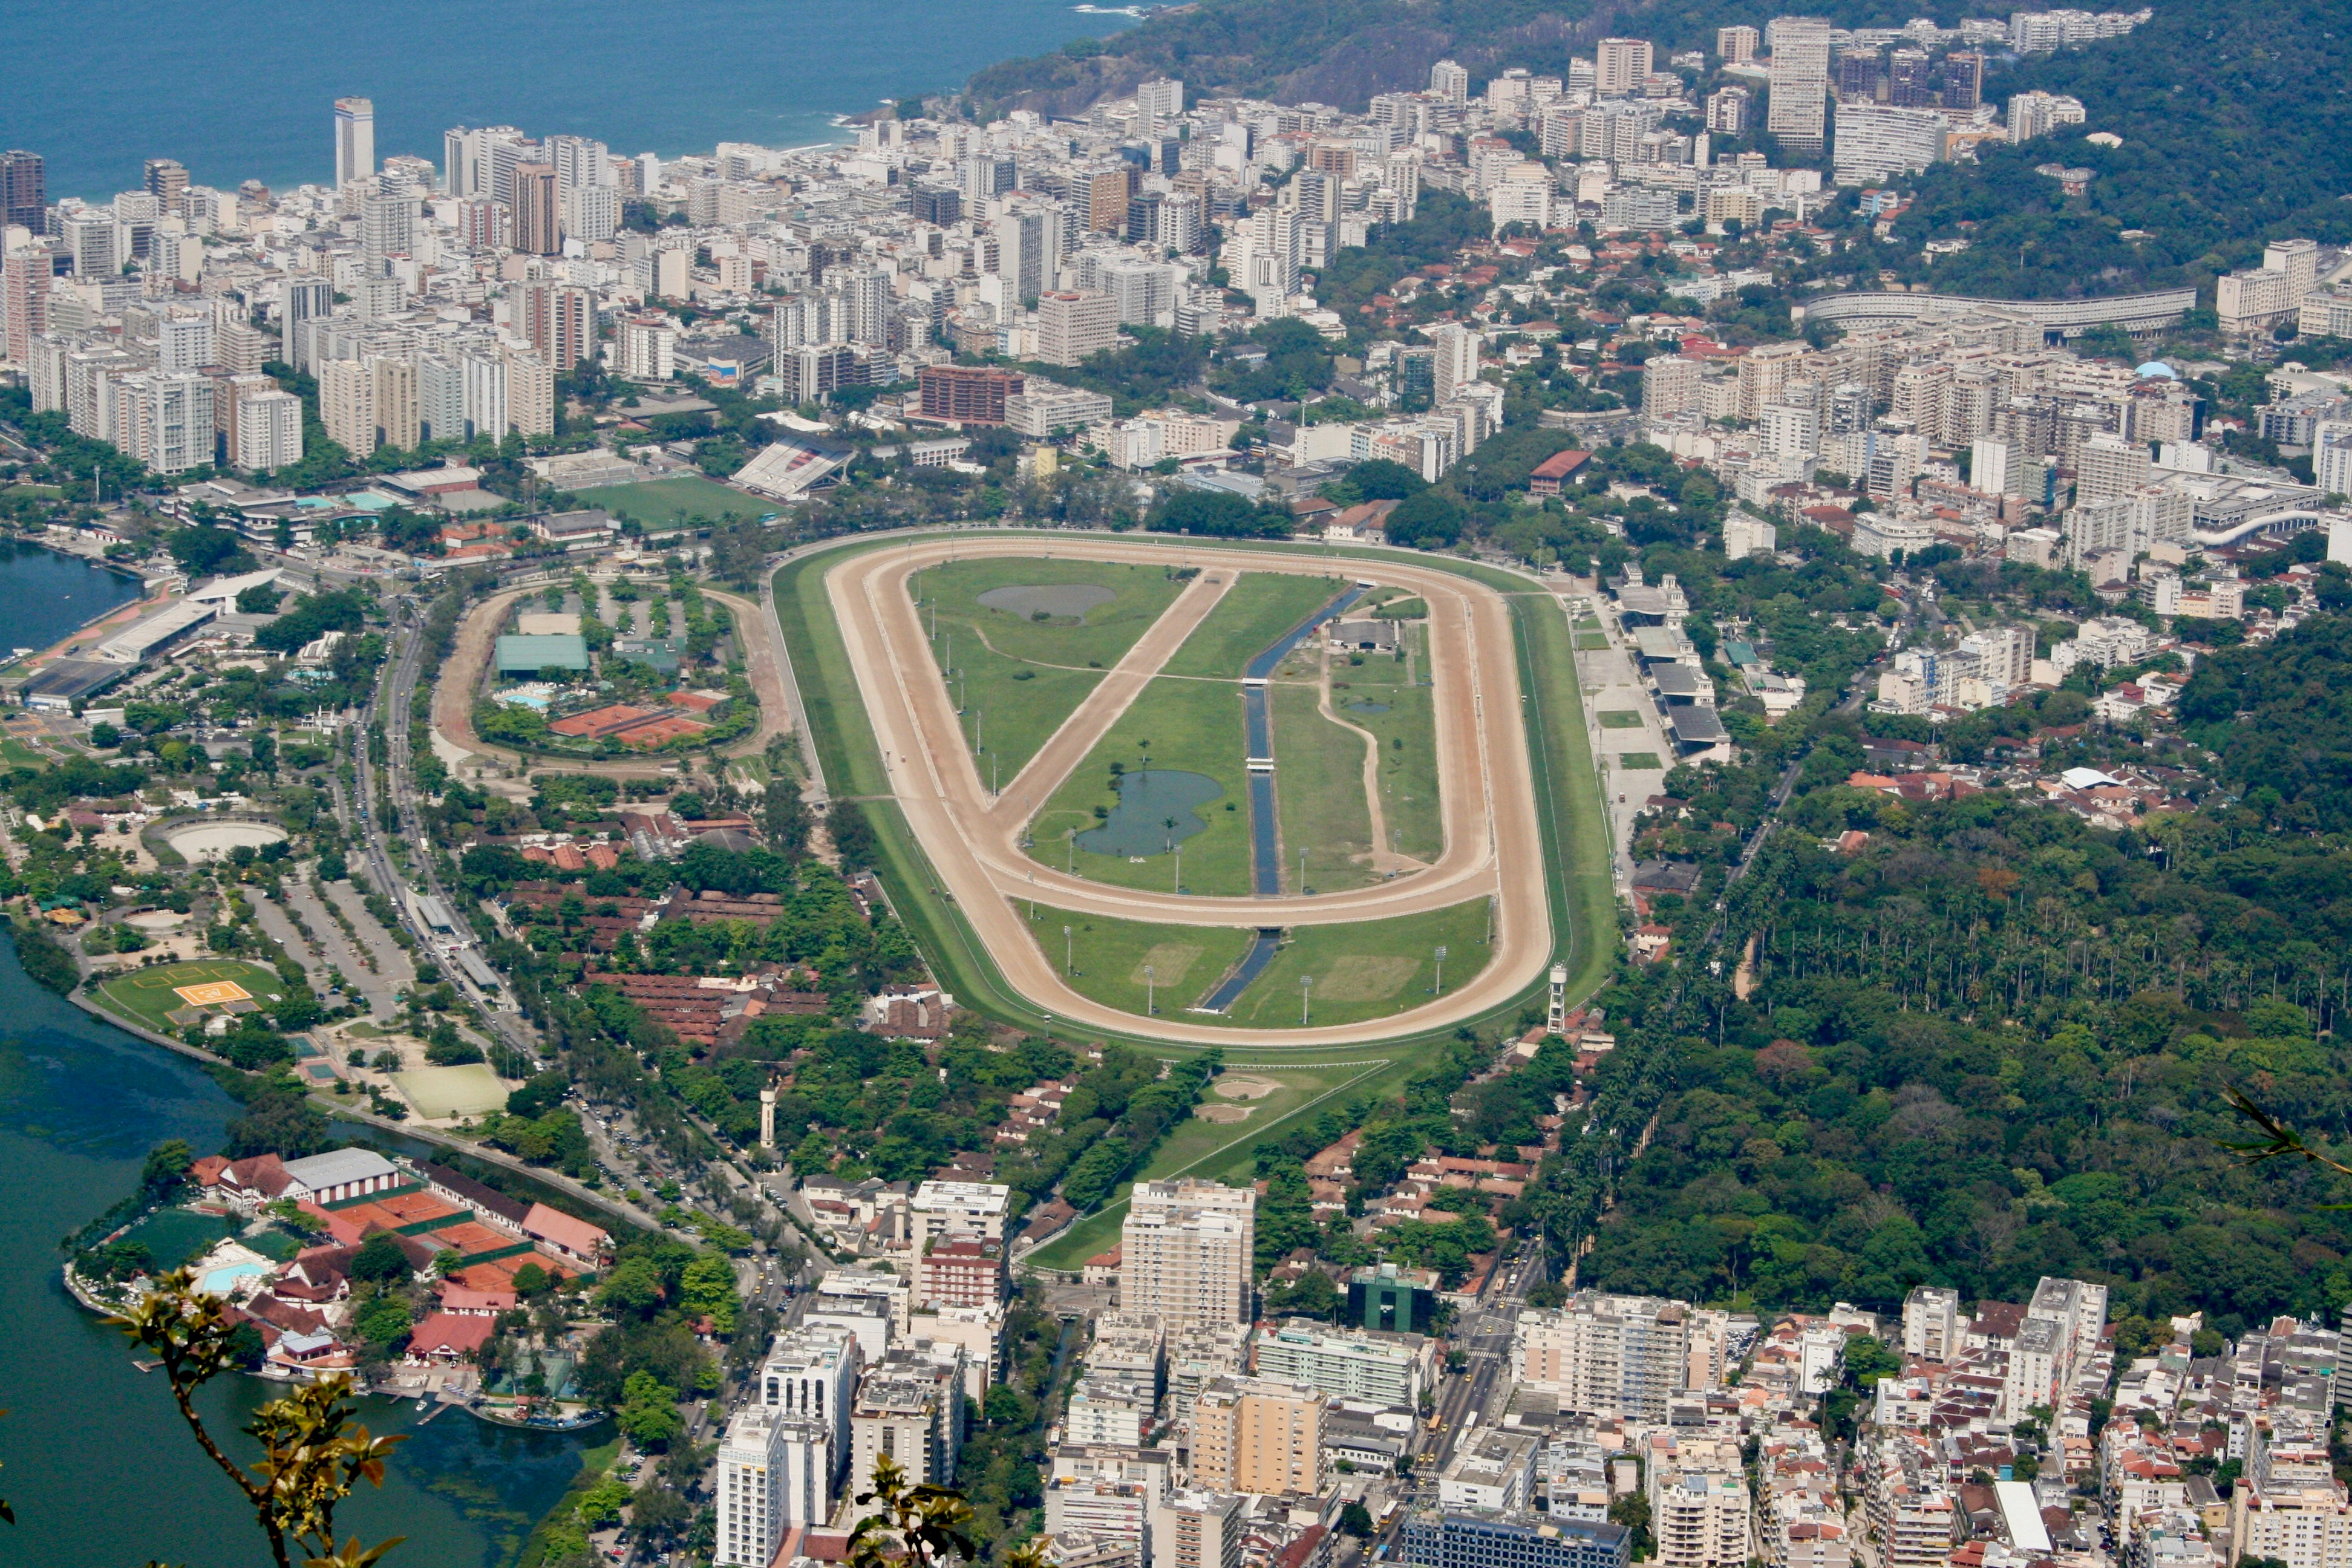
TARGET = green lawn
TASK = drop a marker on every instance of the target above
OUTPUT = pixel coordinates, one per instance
(1619, 719)
(1367, 969)
(1318, 793)
(1589, 642)
(1192, 725)
(1254, 613)
(1408, 771)
(1023, 677)
(145, 995)
(1213, 1150)
(1639, 762)
(178, 1235)
(1109, 956)
(663, 503)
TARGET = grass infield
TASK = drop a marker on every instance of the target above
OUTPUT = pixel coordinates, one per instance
(1023, 677)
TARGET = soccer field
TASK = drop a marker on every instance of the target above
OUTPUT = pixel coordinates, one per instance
(148, 996)
(664, 503)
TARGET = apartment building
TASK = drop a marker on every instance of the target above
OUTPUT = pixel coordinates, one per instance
(1259, 1435)
(1188, 1247)
(1607, 1355)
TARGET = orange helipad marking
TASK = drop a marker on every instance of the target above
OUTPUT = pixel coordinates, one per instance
(212, 993)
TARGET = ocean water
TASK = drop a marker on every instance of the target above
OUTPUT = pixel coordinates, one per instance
(245, 89)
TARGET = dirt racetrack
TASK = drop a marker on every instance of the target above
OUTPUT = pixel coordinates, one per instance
(1492, 845)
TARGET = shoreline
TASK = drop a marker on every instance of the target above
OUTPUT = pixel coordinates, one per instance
(19, 667)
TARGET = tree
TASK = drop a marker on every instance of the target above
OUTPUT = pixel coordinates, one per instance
(707, 1289)
(204, 551)
(1217, 515)
(313, 1452)
(277, 1123)
(648, 1412)
(380, 1261)
(1430, 521)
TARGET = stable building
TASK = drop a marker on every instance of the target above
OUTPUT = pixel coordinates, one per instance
(522, 657)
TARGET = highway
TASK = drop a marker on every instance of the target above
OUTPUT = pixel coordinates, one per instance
(391, 706)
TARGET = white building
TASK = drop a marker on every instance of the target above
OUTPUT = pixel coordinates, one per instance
(1188, 1252)
(1797, 106)
(1491, 1470)
(1876, 142)
(1391, 1369)
(1606, 1356)
(749, 1504)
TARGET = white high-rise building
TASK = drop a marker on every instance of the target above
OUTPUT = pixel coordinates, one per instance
(1450, 82)
(1457, 358)
(183, 343)
(751, 1515)
(1188, 1249)
(2331, 456)
(1877, 141)
(268, 431)
(355, 141)
(1159, 103)
(1623, 66)
(592, 214)
(645, 348)
(1931, 1313)
(1609, 1355)
(2110, 466)
(2033, 114)
(387, 228)
(164, 421)
(1798, 111)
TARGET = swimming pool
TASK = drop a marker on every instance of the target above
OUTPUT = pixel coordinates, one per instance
(221, 1281)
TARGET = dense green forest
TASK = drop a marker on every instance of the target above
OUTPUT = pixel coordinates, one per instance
(1994, 1043)
(2236, 128)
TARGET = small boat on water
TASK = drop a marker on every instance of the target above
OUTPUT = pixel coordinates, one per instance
(146, 1365)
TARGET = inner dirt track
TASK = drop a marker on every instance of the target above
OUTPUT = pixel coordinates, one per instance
(1493, 845)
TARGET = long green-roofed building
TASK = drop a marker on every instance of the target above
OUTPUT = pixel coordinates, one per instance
(525, 657)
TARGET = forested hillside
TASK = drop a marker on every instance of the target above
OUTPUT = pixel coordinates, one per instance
(1993, 1043)
(2236, 121)
(2236, 116)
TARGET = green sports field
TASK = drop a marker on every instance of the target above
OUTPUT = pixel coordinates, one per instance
(146, 995)
(1368, 969)
(1193, 726)
(1252, 613)
(1105, 958)
(667, 503)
